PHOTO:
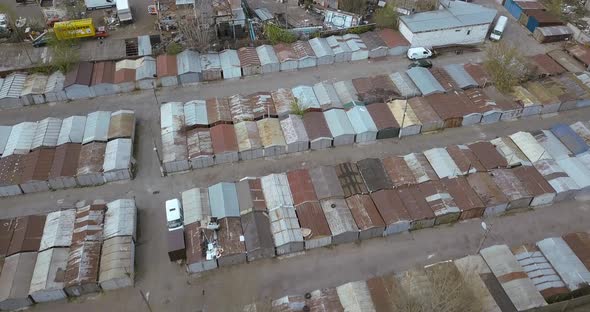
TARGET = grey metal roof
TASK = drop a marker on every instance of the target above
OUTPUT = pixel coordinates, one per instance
(49, 267)
(338, 122)
(404, 84)
(188, 61)
(459, 14)
(566, 263)
(97, 127)
(277, 192)
(554, 30)
(267, 55)
(13, 86)
(195, 113)
(172, 115)
(20, 139)
(326, 95)
(230, 62)
(120, 218)
(284, 225)
(58, 230)
(424, 80)
(210, 61)
(72, 130)
(55, 82)
(118, 155)
(442, 163)
(34, 84)
(306, 98)
(361, 120)
(4, 134)
(321, 47)
(264, 14)
(146, 68)
(338, 45)
(144, 45)
(460, 76)
(47, 132)
(223, 199)
(195, 205)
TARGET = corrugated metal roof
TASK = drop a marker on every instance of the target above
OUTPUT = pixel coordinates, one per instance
(306, 98)
(355, 296)
(579, 243)
(80, 74)
(125, 71)
(229, 238)
(374, 174)
(420, 167)
(391, 208)
(338, 45)
(321, 47)
(223, 199)
(442, 163)
(195, 205)
(89, 223)
(392, 38)
(416, 205)
(533, 181)
(372, 40)
(122, 124)
(250, 196)
(284, 225)
(488, 155)
(284, 52)
(303, 50)
(174, 145)
(97, 127)
(283, 100)
(247, 136)
(465, 197)
(27, 235)
(195, 114)
(267, 55)
(37, 165)
(529, 146)
(92, 157)
(276, 190)
(404, 84)
(224, 139)
(117, 267)
(166, 65)
(545, 64)
(55, 82)
(199, 143)
(578, 127)
(511, 153)
(72, 130)
(364, 212)
(83, 264)
(11, 168)
(144, 45)
(460, 76)
(350, 179)
(294, 129)
(325, 182)
(555, 31)
(478, 73)
(65, 161)
(248, 57)
(357, 46)
(257, 235)
(104, 72)
(240, 108)
(488, 191)
(58, 230)
(339, 217)
(312, 217)
(551, 144)
(145, 68)
(230, 64)
(455, 16)
(118, 155)
(439, 199)
(34, 84)
(361, 120)
(270, 132)
(49, 269)
(475, 264)
(316, 126)
(510, 185)
(574, 168)
(540, 271)
(326, 95)
(47, 133)
(346, 92)
(262, 105)
(20, 139)
(188, 61)
(403, 113)
(218, 111)
(566, 263)
(399, 172)
(375, 89)
(338, 123)
(424, 80)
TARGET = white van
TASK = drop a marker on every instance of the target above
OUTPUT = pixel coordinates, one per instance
(174, 214)
(419, 53)
(499, 28)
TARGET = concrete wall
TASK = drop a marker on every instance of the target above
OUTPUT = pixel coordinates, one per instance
(464, 35)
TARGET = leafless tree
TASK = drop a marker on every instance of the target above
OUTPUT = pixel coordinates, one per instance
(505, 65)
(196, 26)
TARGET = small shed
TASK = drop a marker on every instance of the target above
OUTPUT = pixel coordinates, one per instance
(223, 199)
(317, 130)
(250, 195)
(20, 139)
(81, 275)
(64, 167)
(570, 139)
(386, 124)
(366, 216)
(313, 224)
(96, 128)
(305, 55)
(249, 61)
(565, 187)
(33, 89)
(573, 272)
(103, 79)
(399, 172)
(491, 195)
(529, 146)
(188, 64)
(58, 229)
(536, 185)
(363, 124)
(195, 205)
(460, 76)
(465, 197)
(37, 165)
(125, 71)
(340, 127)
(420, 167)
(553, 33)
(295, 134)
(375, 45)
(146, 73)
(425, 81)
(340, 220)
(511, 153)
(342, 52)
(488, 155)
(454, 109)
(90, 164)
(357, 47)
(249, 142)
(16, 280)
(117, 263)
(269, 61)
(11, 90)
(442, 163)
(225, 143)
(78, 79)
(218, 111)
(325, 182)
(374, 175)
(350, 178)
(271, 137)
(47, 133)
(54, 89)
(230, 238)
(427, 116)
(395, 41)
(286, 55)
(322, 50)
(118, 160)
(174, 150)
(409, 124)
(514, 190)
(194, 237)
(211, 66)
(550, 103)
(10, 171)
(306, 99)
(263, 105)
(283, 100)
(230, 64)
(167, 70)
(122, 125)
(421, 214)
(514, 281)
(347, 93)
(404, 84)
(326, 95)
(285, 230)
(257, 235)
(440, 201)
(47, 281)
(195, 114)
(392, 210)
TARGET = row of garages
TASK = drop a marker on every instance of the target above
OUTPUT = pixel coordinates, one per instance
(548, 275)
(87, 80)
(284, 213)
(544, 25)
(76, 151)
(202, 133)
(67, 253)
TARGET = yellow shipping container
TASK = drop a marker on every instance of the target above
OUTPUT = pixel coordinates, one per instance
(74, 29)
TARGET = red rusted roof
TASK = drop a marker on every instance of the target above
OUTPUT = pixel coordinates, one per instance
(301, 186)
(248, 56)
(393, 38)
(224, 139)
(166, 65)
(104, 72)
(546, 65)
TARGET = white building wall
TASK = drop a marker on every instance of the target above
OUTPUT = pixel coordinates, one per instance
(463, 35)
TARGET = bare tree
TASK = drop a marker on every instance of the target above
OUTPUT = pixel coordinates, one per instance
(505, 65)
(196, 27)
(353, 6)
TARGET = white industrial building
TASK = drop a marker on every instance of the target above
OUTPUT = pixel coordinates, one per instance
(456, 24)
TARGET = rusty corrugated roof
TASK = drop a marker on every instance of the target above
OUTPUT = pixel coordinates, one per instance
(218, 111)
(91, 158)
(104, 72)
(37, 165)
(166, 65)
(224, 139)
(364, 212)
(546, 65)
(301, 186)
(80, 74)
(65, 160)
(311, 216)
(248, 56)
(27, 234)
(11, 169)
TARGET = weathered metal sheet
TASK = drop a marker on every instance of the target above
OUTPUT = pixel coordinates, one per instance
(230, 64)
(250, 195)
(425, 114)
(350, 179)
(54, 88)
(257, 235)
(392, 210)
(230, 239)
(276, 190)
(218, 111)
(374, 175)
(240, 108)
(465, 159)
(487, 154)
(195, 205)
(47, 281)
(58, 229)
(249, 141)
(398, 171)
(326, 95)
(174, 151)
(118, 159)
(325, 300)
(306, 98)
(537, 186)
(35, 174)
(15, 281)
(268, 59)
(295, 134)
(120, 219)
(223, 199)
(453, 108)
(551, 144)
(301, 186)
(195, 237)
(565, 187)
(516, 193)
(376, 89)
(346, 93)
(11, 168)
(283, 99)
(362, 123)
(579, 243)
(405, 116)
(322, 50)
(188, 64)
(81, 275)
(286, 55)
(340, 220)
(355, 296)
(340, 127)
(442, 163)
(305, 54)
(195, 114)
(529, 146)
(314, 225)
(249, 61)
(404, 84)
(317, 130)
(357, 47)
(573, 272)
(72, 130)
(90, 164)
(263, 105)
(460, 76)
(210, 66)
(167, 70)
(425, 81)
(570, 139)
(490, 194)
(122, 125)
(271, 136)
(440, 201)
(117, 263)
(225, 143)
(47, 133)
(97, 127)
(200, 148)
(386, 124)
(576, 170)
(342, 52)
(325, 182)
(475, 268)
(420, 212)
(510, 152)
(420, 167)
(285, 230)
(366, 216)
(20, 139)
(4, 134)
(465, 197)
(89, 223)
(27, 234)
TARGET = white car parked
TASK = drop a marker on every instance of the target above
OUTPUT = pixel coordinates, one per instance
(174, 215)
(419, 53)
